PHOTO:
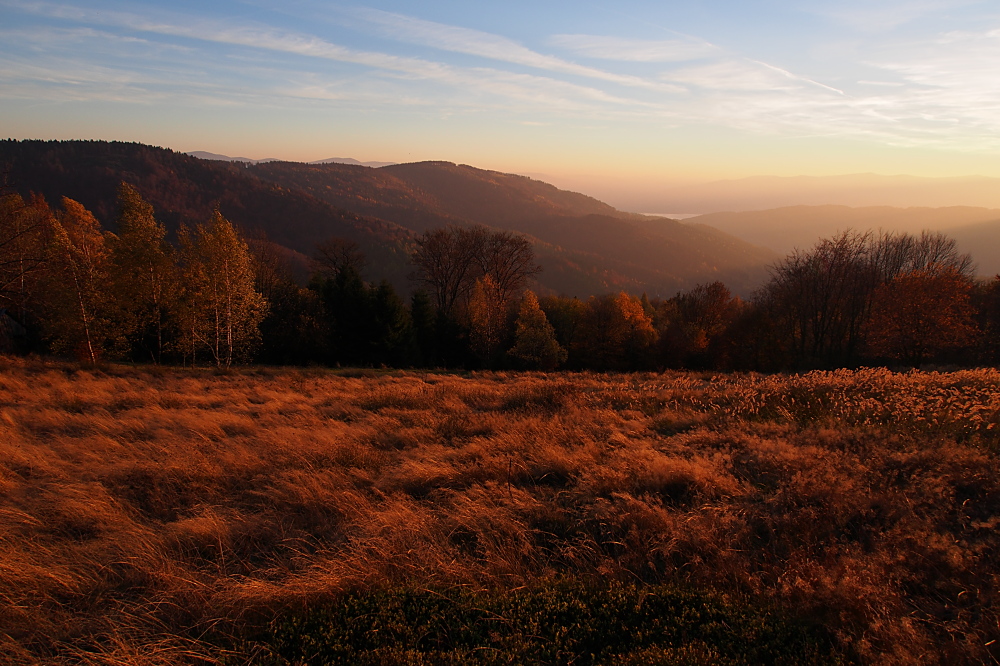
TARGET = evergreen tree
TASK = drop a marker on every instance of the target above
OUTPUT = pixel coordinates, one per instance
(566, 316)
(391, 340)
(422, 317)
(536, 346)
(346, 314)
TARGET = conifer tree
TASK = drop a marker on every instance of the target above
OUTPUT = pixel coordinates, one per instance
(422, 316)
(536, 346)
(142, 271)
(391, 339)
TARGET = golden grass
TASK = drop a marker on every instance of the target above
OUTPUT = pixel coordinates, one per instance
(149, 516)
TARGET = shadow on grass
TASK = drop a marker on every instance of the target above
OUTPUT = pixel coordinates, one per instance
(561, 623)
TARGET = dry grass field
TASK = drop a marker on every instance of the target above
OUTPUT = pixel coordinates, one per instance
(161, 516)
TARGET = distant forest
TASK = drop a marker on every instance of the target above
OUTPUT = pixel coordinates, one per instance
(213, 296)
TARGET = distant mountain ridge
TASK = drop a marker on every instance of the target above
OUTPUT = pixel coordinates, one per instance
(585, 246)
(205, 155)
(975, 229)
(351, 160)
(854, 190)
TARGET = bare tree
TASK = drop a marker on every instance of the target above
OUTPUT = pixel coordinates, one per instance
(447, 264)
(450, 260)
(507, 258)
(824, 296)
(336, 255)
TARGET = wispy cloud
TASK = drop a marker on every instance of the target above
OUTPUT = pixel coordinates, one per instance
(547, 93)
(467, 41)
(879, 15)
(941, 92)
(743, 75)
(635, 50)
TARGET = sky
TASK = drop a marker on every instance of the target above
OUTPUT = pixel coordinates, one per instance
(577, 92)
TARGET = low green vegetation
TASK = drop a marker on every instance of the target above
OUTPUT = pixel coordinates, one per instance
(561, 623)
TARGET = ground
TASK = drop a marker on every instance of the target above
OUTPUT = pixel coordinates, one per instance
(168, 515)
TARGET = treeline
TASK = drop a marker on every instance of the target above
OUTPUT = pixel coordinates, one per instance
(213, 296)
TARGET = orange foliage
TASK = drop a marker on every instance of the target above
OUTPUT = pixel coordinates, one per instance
(921, 313)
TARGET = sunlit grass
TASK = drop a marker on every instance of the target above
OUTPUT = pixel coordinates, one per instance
(170, 515)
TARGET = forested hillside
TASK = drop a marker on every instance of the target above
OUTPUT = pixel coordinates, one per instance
(585, 246)
(184, 189)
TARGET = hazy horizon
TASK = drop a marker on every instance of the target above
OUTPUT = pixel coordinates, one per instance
(685, 199)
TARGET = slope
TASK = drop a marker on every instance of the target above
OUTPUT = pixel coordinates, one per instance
(982, 241)
(576, 235)
(858, 190)
(184, 189)
(584, 245)
(785, 229)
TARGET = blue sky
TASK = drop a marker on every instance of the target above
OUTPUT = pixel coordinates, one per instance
(642, 91)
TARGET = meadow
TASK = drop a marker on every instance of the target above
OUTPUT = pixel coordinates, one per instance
(166, 515)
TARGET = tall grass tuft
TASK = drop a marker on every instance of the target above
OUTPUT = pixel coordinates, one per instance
(172, 516)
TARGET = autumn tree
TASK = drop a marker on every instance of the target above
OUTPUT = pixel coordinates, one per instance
(692, 325)
(24, 244)
(222, 310)
(922, 313)
(822, 298)
(450, 260)
(616, 334)
(142, 272)
(488, 320)
(535, 344)
(79, 303)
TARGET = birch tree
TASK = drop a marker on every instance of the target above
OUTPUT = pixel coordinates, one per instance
(220, 309)
(79, 304)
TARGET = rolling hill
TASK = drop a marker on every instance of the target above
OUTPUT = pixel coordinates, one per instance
(575, 234)
(977, 230)
(769, 192)
(584, 245)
